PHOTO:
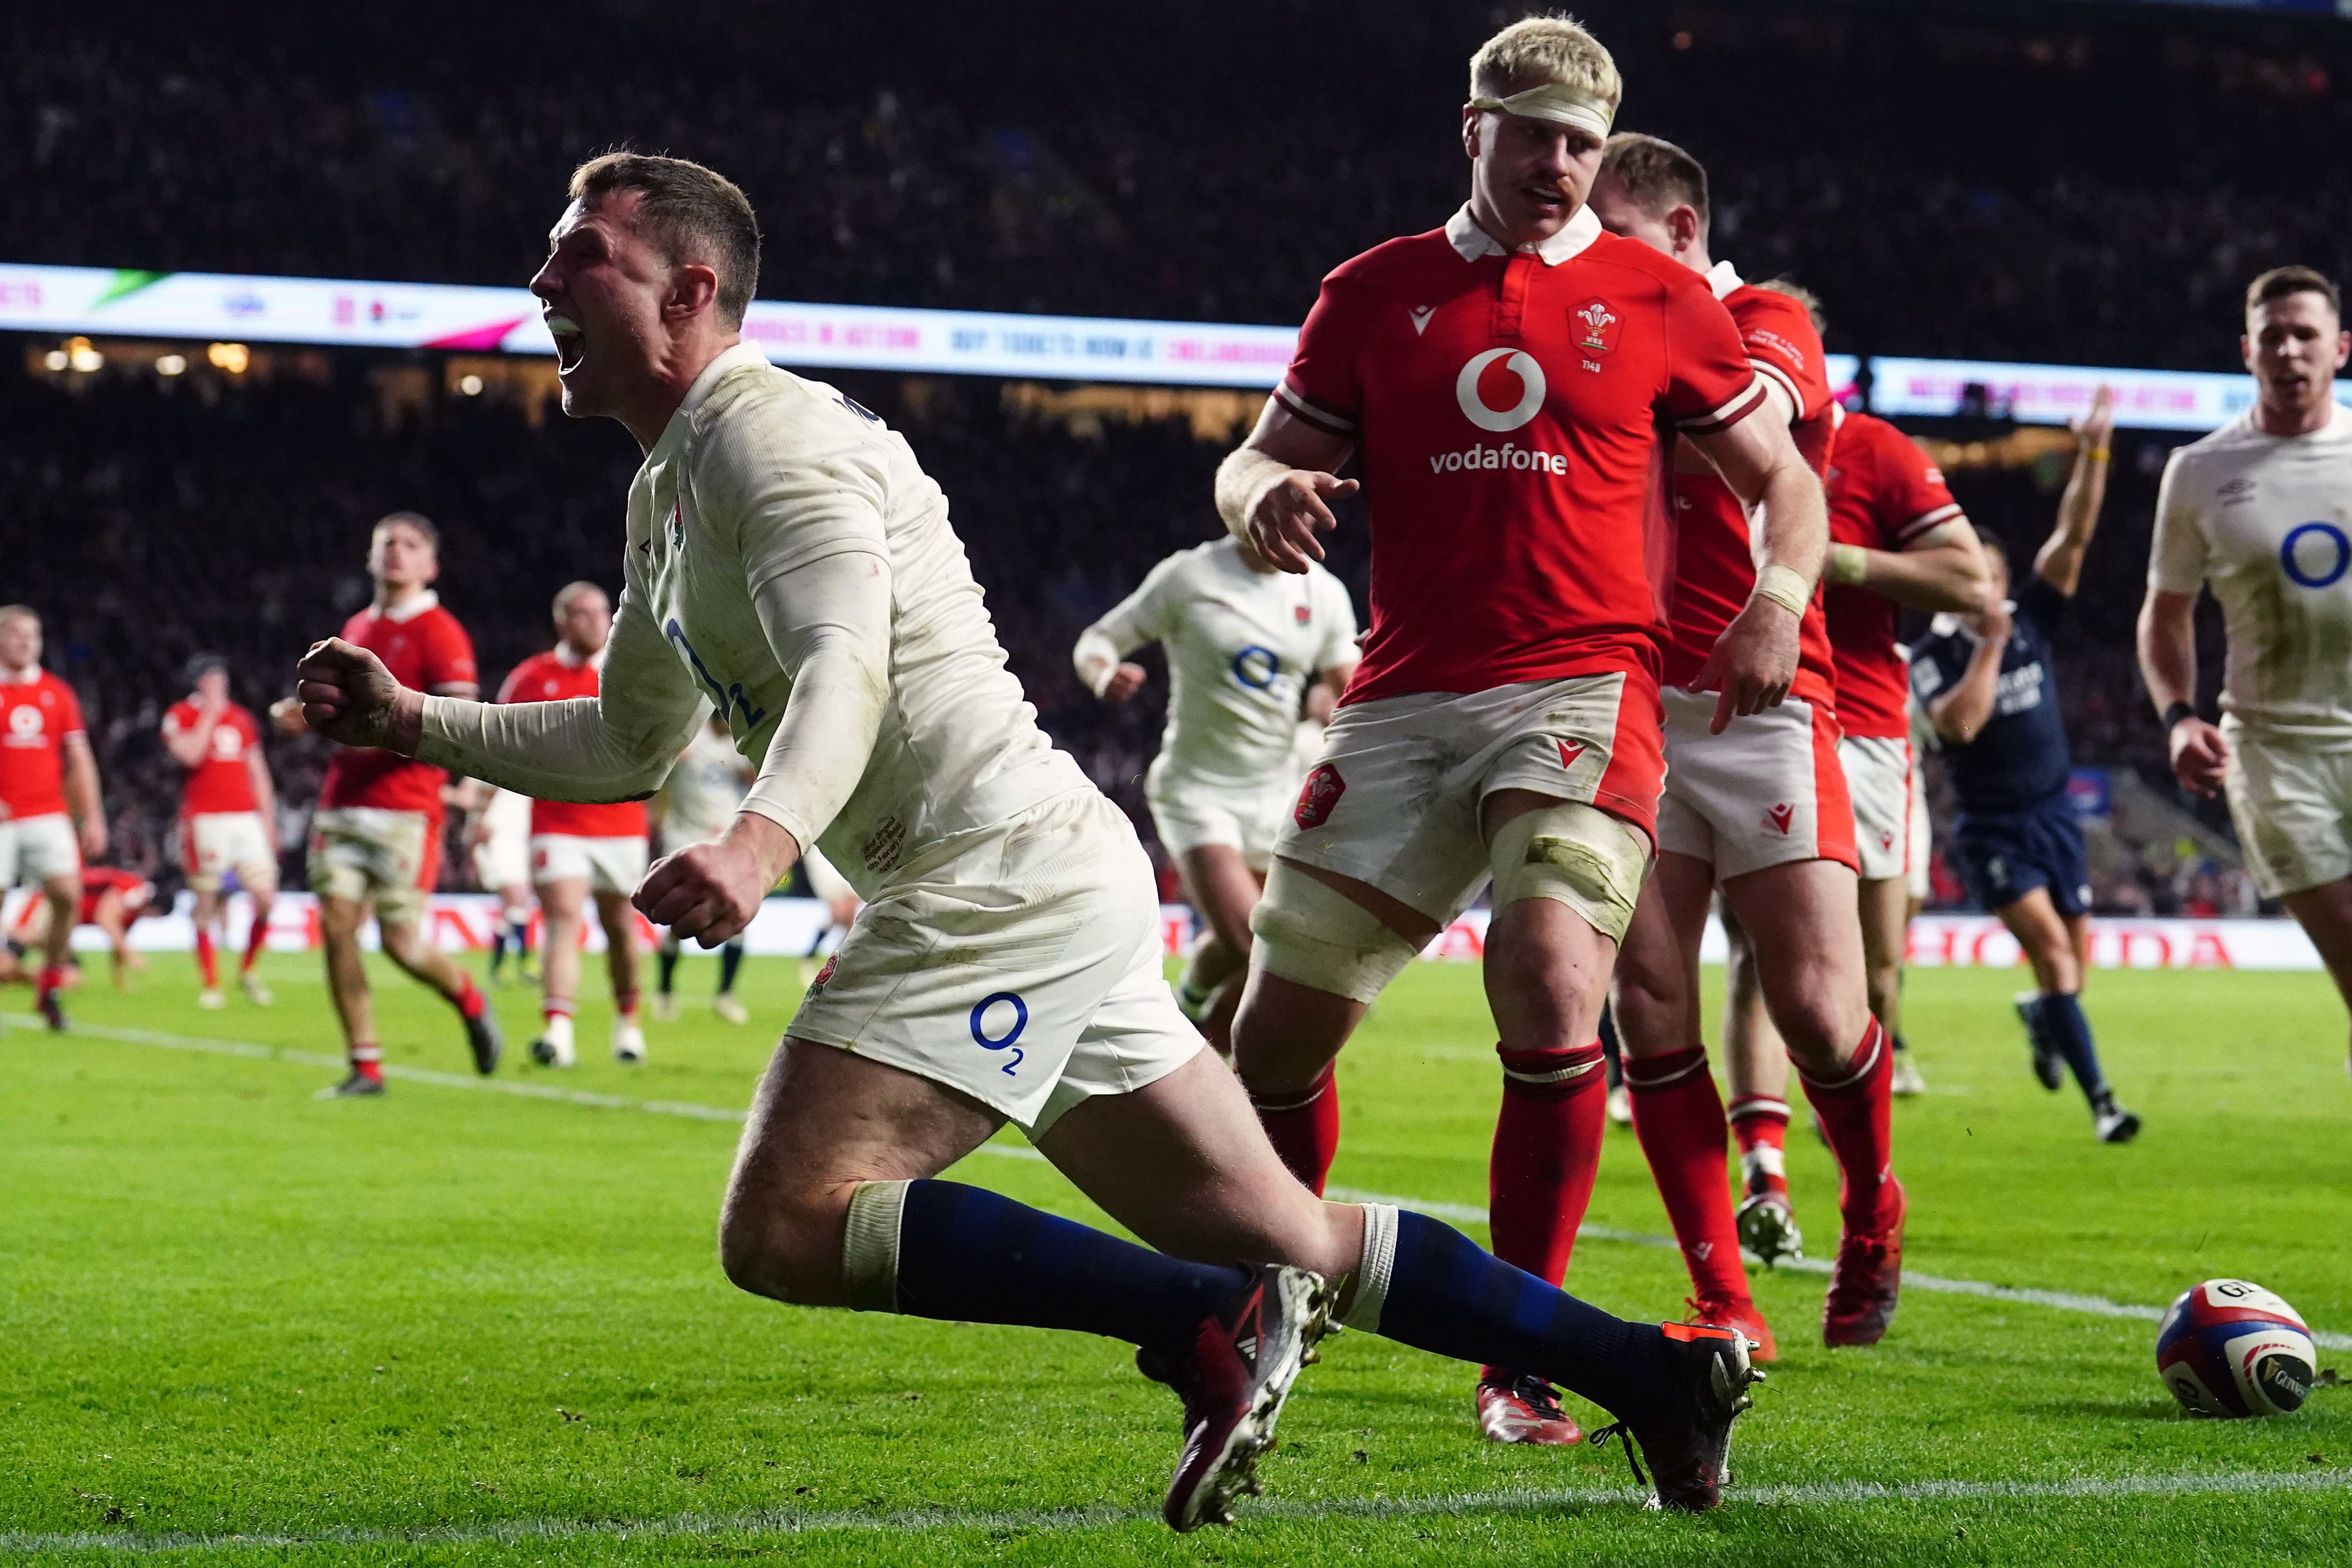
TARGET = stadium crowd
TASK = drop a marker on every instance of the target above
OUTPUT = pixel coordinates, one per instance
(1992, 187)
(2018, 205)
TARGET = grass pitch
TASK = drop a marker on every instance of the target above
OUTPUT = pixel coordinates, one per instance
(239, 1324)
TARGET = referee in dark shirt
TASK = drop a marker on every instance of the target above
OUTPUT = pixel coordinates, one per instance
(1991, 688)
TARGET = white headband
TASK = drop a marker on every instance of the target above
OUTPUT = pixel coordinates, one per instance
(1557, 102)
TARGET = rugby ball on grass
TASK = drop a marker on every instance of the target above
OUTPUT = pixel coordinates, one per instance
(2229, 1348)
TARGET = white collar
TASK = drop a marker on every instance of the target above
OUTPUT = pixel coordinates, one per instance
(1472, 242)
(410, 608)
(1723, 278)
(29, 676)
(571, 661)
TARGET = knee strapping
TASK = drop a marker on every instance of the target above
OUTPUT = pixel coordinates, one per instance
(1315, 936)
(1574, 854)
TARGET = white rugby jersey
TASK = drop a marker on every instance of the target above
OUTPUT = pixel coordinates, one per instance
(784, 547)
(1242, 645)
(2266, 521)
(705, 788)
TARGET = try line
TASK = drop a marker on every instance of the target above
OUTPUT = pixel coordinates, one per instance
(909, 1521)
(1458, 1213)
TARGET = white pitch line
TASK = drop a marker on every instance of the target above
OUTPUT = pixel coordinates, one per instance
(780, 1521)
(1458, 1213)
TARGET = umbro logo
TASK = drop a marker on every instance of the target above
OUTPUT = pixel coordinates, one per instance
(1778, 818)
(1421, 315)
(2240, 489)
(1569, 750)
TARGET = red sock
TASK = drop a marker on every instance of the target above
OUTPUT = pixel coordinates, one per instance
(1547, 1150)
(624, 1003)
(367, 1061)
(1304, 1128)
(468, 1000)
(53, 979)
(207, 961)
(257, 940)
(1760, 1124)
(1857, 1112)
(1678, 1116)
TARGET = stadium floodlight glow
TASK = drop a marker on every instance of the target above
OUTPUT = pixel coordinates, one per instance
(230, 357)
(55, 359)
(471, 385)
(82, 356)
(171, 364)
(460, 319)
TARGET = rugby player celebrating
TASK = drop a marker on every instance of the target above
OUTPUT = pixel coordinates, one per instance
(1502, 378)
(1243, 640)
(2258, 511)
(788, 564)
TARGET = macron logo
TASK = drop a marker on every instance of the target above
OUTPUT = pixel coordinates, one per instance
(1778, 818)
(1569, 750)
(1421, 315)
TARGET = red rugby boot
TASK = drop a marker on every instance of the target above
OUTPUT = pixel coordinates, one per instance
(1521, 1407)
(1233, 1376)
(1741, 1314)
(1689, 1448)
(1866, 1280)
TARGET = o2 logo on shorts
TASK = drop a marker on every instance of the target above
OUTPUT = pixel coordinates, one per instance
(1255, 667)
(980, 1020)
(2303, 548)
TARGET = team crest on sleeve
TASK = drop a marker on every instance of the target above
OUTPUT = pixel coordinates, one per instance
(1317, 796)
(1301, 612)
(1595, 326)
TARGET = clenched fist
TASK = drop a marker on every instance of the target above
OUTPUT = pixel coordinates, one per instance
(349, 697)
(710, 892)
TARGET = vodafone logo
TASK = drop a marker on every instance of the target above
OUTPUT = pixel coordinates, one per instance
(25, 724)
(1531, 390)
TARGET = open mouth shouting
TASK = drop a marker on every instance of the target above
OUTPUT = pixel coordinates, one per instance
(570, 345)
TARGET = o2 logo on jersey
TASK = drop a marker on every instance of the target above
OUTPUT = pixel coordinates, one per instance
(1475, 407)
(1595, 326)
(1256, 667)
(982, 1021)
(2315, 545)
(728, 698)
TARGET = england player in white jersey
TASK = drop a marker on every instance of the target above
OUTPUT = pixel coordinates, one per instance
(704, 793)
(1246, 645)
(2260, 513)
(788, 562)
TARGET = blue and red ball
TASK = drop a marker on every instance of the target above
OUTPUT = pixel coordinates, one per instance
(2229, 1348)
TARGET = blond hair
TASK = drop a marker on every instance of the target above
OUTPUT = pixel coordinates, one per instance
(417, 521)
(1534, 50)
(572, 591)
(21, 613)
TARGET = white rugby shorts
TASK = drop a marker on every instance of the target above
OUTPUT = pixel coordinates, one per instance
(607, 866)
(2291, 801)
(1020, 963)
(1191, 811)
(214, 843)
(34, 850)
(1878, 781)
(371, 855)
(1393, 801)
(1767, 791)
(1923, 837)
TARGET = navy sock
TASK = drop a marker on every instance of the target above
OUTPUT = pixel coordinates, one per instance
(968, 1255)
(2069, 1032)
(1449, 1295)
(667, 964)
(730, 959)
(498, 949)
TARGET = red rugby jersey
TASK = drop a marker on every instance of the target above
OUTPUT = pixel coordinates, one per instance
(1715, 562)
(1883, 494)
(98, 881)
(223, 781)
(556, 677)
(423, 647)
(1506, 411)
(36, 717)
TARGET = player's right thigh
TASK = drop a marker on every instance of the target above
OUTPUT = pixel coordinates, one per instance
(42, 851)
(214, 843)
(2293, 808)
(368, 855)
(1878, 781)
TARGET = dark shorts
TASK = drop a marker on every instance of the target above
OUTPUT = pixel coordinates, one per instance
(2002, 858)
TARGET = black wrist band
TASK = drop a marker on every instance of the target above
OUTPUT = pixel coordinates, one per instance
(2175, 714)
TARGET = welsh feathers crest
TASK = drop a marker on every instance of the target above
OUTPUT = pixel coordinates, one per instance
(1595, 326)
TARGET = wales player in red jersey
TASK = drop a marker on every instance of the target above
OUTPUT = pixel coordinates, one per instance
(1503, 380)
(376, 838)
(228, 820)
(51, 816)
(1756, 804)
(582, 852)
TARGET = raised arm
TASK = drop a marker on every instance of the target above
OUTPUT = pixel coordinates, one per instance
(188, 746)
(616, 746)
(1755, 659)
(1959, 713)
(2059, 561)
(1274, 490)
(1100, 656)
